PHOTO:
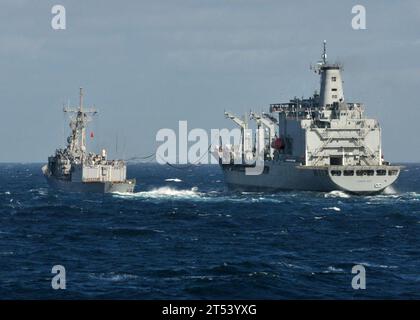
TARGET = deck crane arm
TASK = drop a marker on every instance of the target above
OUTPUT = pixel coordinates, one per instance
(256, 117)
(269, 116)
(246, 138)
(269, 123)
(241, 123)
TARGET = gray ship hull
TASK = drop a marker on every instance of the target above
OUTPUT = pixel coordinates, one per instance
(280, 175)
(90, 187)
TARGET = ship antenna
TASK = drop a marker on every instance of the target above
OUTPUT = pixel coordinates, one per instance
(81, 99)
(324, 54)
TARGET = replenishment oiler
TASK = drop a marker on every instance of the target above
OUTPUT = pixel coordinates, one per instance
(322, 143)
(74, 169)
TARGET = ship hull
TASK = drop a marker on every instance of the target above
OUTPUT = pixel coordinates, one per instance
(280, 175)
(89, 187)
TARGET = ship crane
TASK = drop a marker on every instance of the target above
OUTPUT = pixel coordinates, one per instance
(245, 135)
(243, 124)
(270, 117)
(267, 122)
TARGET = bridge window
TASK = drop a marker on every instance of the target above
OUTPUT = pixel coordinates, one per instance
(334, 79)
(365, 172)
(380, 172)
(335, 172)
(348, 173)
(392, 172)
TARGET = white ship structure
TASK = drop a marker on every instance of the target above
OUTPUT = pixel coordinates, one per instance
(74, 169)
(322, 143)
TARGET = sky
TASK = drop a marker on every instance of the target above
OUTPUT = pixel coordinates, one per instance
(145, 65)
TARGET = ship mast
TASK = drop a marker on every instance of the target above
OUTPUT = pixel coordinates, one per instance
(83, 135)
(79, 117)
(324, 54)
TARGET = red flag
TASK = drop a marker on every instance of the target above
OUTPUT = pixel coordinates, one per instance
(91, 134)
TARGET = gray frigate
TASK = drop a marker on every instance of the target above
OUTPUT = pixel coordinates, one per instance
(74, 169)
(321, 143)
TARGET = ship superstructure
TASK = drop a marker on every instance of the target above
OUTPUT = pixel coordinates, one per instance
(75, 169)
(321, 143)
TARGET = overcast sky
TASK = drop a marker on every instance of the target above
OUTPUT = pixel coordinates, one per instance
(146, 65)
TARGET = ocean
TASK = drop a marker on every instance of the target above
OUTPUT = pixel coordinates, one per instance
(183, 235)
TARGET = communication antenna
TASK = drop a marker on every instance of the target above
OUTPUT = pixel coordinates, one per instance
(324, 54)
(81, 99)
(323, 61)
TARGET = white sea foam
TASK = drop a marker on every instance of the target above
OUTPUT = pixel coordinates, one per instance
(173, 180)
(163, 192)
(390, 190)
(337, 194)
(6, 253)
(374, 265)
(112, 276)
(332, 208)
(332, 269)
(413, 194)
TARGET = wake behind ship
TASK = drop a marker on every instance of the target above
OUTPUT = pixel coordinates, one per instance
(73, 169)
(317, 144)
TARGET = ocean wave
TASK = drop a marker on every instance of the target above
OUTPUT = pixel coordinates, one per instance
(375, 265)
(112, 276)
(6, 253)
(390, 190)
(337, 194)
(173, 180)
(332, 208)
(407, 196)
(163, 192)
(413, 194)
(195, 195)
(332, 269)
(263, 274)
